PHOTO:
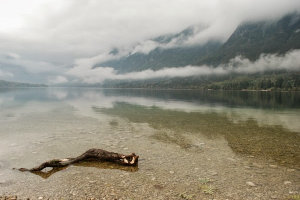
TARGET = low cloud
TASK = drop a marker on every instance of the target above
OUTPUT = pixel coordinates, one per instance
(58, 80)
(266, 62)
(188, 37)
(23, 69)
(32, 66)
(5, 75)
(46, 37)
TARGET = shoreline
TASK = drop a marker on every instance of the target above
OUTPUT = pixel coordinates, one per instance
(179, 89)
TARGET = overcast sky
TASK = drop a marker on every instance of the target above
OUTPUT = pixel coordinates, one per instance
(48, 40)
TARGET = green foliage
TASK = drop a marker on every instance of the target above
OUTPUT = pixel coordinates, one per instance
(186, 196)
(260, 82)
(208, 189)
(274, 81)
(294, 197)
(205, 180)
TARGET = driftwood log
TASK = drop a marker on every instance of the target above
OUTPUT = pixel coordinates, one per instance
(91, 154)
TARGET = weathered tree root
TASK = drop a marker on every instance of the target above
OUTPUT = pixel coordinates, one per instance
(91, 154)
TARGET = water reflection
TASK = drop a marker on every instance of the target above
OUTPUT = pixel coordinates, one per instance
(95, 164)
(244, 137)
(266, 108)
(263, 124)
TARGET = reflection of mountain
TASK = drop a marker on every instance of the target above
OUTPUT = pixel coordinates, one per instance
(245, 137)
(212, 113)
(223, 98)
(267, 108)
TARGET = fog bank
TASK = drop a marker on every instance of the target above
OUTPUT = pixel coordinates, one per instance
(267, 62)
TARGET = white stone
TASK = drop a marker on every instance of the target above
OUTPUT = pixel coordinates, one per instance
(287, 182)
(250, 183)
(290, 170)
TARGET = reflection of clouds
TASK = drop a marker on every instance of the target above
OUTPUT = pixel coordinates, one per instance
(18, 103)
(288, 118)
(4, 100)
(58, 93)
(13, 112)
(83, 101)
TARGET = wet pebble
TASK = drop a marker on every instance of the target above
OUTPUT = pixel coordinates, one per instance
(287, 182)
(92, 181)
(250, 183)
(40, 198)
(257, 165)
(231, 159)
(214, 173)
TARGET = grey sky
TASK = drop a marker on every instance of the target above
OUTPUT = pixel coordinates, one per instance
(45, 40)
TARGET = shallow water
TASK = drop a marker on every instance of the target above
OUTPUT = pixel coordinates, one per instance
(192, 144)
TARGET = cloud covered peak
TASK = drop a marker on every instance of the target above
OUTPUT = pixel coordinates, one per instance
(53, 34)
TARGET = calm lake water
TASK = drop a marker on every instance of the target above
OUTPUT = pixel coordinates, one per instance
(192, 144)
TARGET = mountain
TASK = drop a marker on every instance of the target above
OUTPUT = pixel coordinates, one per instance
(250, 40)
(9, 84)
(160, 57)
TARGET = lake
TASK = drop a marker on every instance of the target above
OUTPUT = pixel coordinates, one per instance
(192, 144)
